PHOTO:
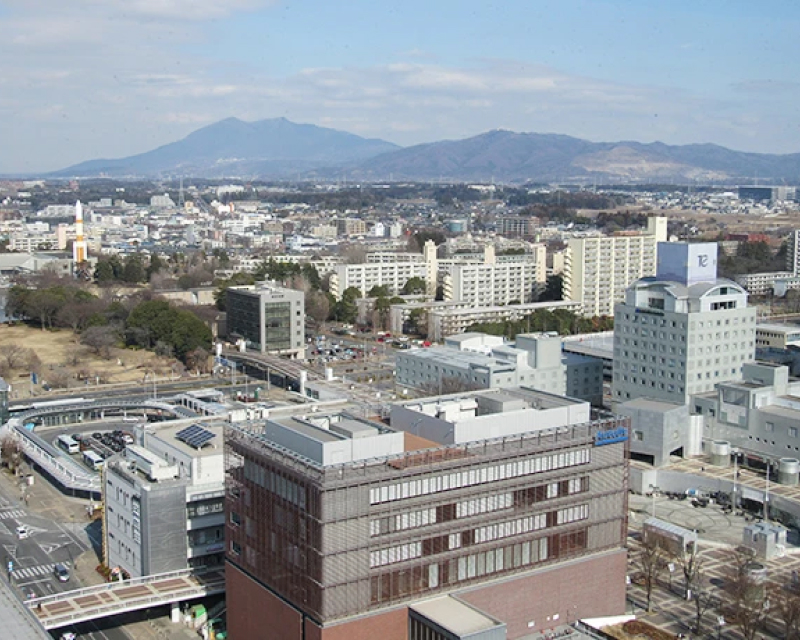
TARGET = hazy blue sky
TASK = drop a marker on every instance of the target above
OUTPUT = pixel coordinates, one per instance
(82, 79)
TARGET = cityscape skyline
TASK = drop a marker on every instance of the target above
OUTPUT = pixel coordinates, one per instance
(92, 80)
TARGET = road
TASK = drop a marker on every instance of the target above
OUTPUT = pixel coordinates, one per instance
(33, 558)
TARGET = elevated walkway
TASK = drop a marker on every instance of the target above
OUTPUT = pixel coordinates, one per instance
(90, 603)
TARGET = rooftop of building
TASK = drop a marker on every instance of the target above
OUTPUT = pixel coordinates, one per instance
(457, 617)
(680, 290)
(531, 398)
(652, 405)
(597, 345)
(448, 356)
(211, 447)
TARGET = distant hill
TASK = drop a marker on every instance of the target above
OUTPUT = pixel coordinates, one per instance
(506, 156)
(232, 147)
(279, 148)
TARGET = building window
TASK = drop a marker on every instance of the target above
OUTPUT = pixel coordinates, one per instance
(638, 435)
(792, 432)
(769, 426)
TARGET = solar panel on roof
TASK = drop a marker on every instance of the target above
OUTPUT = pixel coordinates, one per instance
(195, 436)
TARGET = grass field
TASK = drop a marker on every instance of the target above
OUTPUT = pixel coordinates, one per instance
(68, 365)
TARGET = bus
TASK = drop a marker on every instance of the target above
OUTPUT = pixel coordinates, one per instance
(92, 459)
(68, 444)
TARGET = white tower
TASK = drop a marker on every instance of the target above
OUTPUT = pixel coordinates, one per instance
(79, 250)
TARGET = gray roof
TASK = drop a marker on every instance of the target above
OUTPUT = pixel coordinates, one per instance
(457, 617)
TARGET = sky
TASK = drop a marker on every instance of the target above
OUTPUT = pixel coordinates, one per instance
(86, 79)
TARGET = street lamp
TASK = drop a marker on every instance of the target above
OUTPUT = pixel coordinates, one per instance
(653, 489)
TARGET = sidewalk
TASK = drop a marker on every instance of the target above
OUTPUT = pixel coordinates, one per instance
(47, 501)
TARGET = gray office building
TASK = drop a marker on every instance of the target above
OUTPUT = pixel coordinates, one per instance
(270, 319)
(683, 331)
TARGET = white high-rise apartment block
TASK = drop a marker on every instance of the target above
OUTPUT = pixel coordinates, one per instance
(494, 282)
(597, 270)
(683, 331)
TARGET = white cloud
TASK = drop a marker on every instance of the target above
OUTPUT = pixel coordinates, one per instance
(107, 78)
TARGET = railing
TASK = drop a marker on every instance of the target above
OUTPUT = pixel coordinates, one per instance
(120, 604)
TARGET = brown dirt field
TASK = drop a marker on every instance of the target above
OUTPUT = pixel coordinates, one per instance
(56, 348)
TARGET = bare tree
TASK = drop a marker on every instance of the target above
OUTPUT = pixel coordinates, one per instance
(696, 584)
(13, 354)
(198, 359)
(100, 340)
(746, 604)
(59, 378)
(651, 561)
(786, 601)
(32, 361)
(10, 452)
(446, 385)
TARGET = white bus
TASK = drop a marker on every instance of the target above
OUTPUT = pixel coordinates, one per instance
(68, 444)
(93, 459)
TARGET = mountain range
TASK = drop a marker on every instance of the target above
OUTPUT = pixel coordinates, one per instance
(280, 149)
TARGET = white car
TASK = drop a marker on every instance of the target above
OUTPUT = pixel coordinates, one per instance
(22, 532)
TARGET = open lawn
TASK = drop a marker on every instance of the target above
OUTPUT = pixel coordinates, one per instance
(66, 364)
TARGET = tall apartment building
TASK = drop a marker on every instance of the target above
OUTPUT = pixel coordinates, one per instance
(793, 254)
(268, 318)
(517, 226)
(513, 501)
(486, 285)
(597, 270)
(683, 331)
(351, 227)
(375, 274)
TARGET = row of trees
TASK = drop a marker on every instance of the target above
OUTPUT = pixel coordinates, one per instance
(564, 322)
(746, 600)
(105, 323)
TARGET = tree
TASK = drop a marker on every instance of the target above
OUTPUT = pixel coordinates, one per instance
(418, 240)
(103, 272)
(13, 354)
(447, 385)
(651, 561)
(197, 359)
(382, 306)
(414, 286)
(134, 271)
(100, 340)
(378, 291)
(746, 603)
(695, 582)
(10, 452)
(553, 289)
(786, 600)
(317, 306)
(418, 322)
(155, 266)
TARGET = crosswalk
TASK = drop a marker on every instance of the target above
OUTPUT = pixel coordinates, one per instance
(11, 514)
(33, 572)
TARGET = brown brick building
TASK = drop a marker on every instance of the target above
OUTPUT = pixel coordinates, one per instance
(333, 533)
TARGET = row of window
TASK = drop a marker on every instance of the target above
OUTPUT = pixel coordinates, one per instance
(488, 533)
(459, 479)
(476, 506)
(392, 586)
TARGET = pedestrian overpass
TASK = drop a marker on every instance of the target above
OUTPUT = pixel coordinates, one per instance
(90, 603)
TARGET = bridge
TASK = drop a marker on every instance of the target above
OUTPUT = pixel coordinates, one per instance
(66, 471)
(90, 603)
